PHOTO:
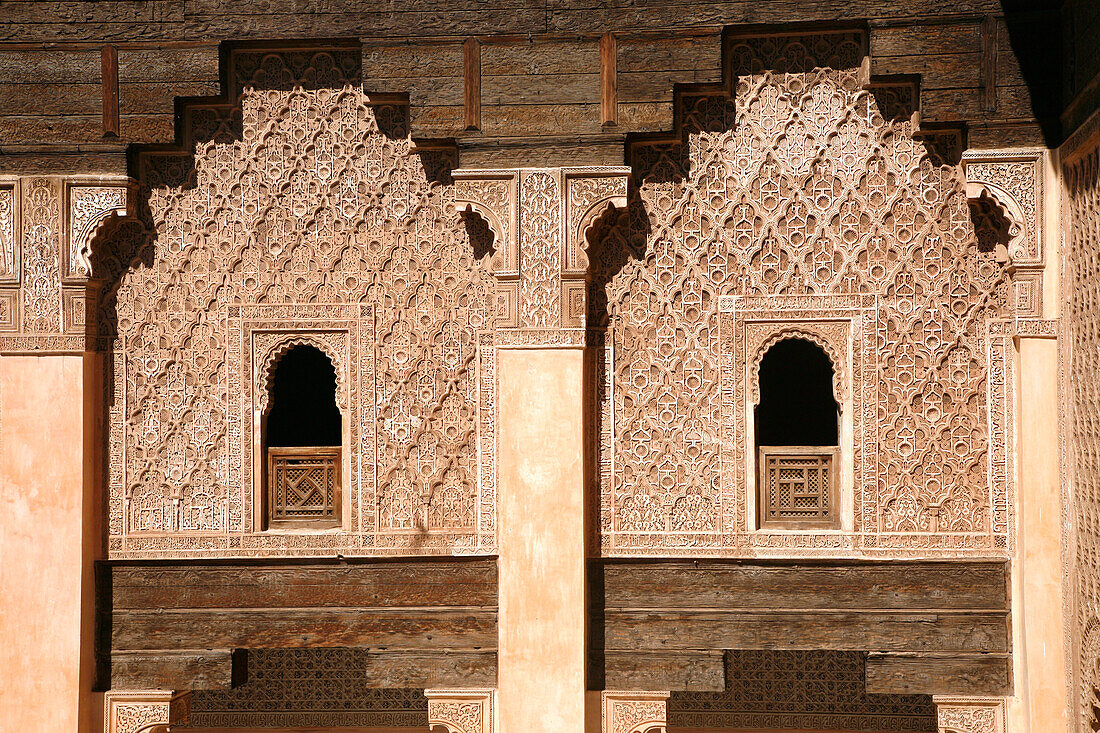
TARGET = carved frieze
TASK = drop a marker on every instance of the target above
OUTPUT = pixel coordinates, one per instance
(808, 185)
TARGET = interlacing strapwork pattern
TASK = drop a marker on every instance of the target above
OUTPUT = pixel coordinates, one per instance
(300, 206)
(1082, 330)
(812, 190)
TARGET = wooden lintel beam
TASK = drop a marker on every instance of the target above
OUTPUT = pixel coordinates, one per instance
(932, 674)
(688, 671)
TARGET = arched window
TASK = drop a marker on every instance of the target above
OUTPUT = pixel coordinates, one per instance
(797, 430)
(303, 434)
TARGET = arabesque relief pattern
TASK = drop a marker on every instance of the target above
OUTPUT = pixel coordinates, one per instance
(301, 208)
(1081, 362)
(812, 191)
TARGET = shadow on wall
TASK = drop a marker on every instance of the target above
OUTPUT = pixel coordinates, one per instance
(1035, 30)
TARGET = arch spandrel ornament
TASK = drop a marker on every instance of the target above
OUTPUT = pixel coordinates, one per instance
(461, 711)
(144, 711)
(634, 711)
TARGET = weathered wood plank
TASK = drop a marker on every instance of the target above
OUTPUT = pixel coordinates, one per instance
(562, 89)
(412, 61)
(160, 97)
(675, 671)
(47, 99)
(49, 67)
(401, 628)
(354, 585)
(546, 57)
(703, 54)
(517, 120)
(937, 71)
(741, 628)
(717, 585)
(208, 669)
(919, 674)
(436, 668)
(935, 38)
(172, 65)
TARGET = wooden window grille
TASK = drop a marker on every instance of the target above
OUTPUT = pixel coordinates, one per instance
(303, 486)
(798, 486)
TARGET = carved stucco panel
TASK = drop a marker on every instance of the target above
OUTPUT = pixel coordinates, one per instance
(89, 207)
(301, 208)
(807, 184)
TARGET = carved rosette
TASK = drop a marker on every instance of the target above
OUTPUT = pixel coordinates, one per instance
(144, 711)
(970, 714)
(461, 711)
(634, 711)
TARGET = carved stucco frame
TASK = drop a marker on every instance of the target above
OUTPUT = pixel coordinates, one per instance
(634, 711)
(144, 711)
(1014, 180)
(461, 711)
(753, 325)
(970, 714)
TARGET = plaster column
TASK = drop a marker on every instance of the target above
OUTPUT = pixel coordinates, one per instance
(48, 542)
(1037, 574)
(541, 535)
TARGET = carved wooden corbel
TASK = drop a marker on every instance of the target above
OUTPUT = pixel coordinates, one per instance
(461, 711)
(970, 714)
(144, 711)
(634, 711)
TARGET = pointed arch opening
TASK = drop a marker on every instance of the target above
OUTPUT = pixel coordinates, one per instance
(797, 429)
(302, 432)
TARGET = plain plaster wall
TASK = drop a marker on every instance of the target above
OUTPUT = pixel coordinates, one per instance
(541, 656)
(45, 575)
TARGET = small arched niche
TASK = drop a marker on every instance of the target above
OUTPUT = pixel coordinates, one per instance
(797, 429)
(302, 435)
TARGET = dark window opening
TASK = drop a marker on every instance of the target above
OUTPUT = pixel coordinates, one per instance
(797, 433)
(797, 406)
(303, 400)
(303, 437)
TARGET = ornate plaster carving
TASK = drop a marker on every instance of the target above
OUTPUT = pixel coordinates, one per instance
(809, 189)
(634, 711)
(9, 233)
(89, 208)
(144, 711)
(298, 210)
(1080, 344)
(461, 711)
(970, 714)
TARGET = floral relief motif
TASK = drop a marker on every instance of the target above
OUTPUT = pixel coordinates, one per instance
(8, 245)
(41, 256)
(970, 715)
(300, 201)
(806, 184)
(461, 711)
(634, 712)
(144, 711)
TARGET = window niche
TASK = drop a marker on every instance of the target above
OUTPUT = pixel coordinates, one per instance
(302, 439)
(797, 431)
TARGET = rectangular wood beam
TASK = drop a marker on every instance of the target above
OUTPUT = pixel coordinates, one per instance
(109, 80)
(609, 97)
(471, 78)
(939, 674)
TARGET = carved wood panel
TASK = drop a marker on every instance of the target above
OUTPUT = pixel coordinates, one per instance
(806, 184)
